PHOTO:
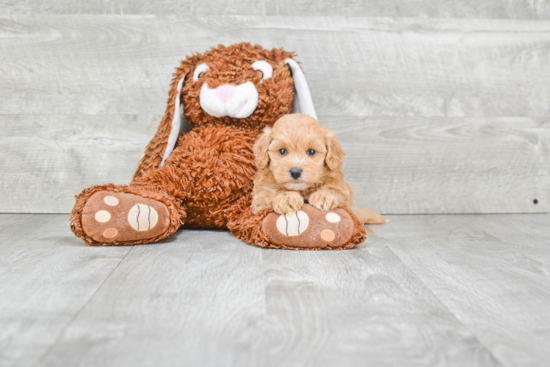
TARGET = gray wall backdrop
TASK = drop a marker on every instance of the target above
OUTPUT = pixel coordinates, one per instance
(442, 106)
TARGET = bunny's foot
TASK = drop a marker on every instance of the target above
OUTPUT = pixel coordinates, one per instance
(109, 217)
(314, 229)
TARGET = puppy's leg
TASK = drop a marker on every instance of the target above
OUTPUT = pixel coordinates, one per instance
(287, 202)
(323, 199)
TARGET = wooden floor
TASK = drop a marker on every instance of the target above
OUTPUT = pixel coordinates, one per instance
(423, 290)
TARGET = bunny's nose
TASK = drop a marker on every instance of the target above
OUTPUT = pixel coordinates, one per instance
(226, 91)
(295, 172)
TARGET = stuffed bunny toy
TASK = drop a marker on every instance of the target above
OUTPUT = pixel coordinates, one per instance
(198, 169)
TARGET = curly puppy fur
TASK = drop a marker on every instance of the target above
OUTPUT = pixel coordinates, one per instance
(298, 159)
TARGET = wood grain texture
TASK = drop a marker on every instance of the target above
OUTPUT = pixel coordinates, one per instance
(359, 307)
(93, 64)
(396, 165)
(47, 160)
(193, 300)
(83, 94)
(423, 290)
(490, 271)
(447, 165)
(46, 278)
(207, 299)
(489, 9)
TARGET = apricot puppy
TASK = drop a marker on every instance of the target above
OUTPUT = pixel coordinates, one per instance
(299, 159)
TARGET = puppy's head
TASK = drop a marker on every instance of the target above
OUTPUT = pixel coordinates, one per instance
(298, 151)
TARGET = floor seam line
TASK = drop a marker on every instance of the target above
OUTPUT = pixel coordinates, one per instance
(71, 321)
(474, 334)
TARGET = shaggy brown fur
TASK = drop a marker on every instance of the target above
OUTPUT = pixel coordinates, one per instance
(208, 179)
(228, 65)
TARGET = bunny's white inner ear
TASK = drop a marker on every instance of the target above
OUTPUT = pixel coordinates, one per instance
(302, 102)
(176, 125)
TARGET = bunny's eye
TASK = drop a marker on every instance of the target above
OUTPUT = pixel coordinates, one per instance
(264, 67)
(199, 70)
(282, 151)
(311, 152)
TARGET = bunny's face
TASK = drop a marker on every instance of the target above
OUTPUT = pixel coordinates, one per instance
(240, 85)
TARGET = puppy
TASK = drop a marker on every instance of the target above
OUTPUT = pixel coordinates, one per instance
(298, 160)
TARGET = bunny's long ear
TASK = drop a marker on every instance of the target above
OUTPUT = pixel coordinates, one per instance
(164, 141)
(302, 102)
(176, 124)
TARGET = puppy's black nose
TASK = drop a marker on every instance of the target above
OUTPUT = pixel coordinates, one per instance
(295, 172)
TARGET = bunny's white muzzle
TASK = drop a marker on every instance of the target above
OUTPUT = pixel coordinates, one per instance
(228, 100)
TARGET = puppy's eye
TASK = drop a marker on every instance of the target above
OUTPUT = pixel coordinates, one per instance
(282, 151)
(199, 70)
(264, 67)
(311, 152)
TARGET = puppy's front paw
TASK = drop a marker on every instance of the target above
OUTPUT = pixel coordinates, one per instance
(287, 202)
(323, 199)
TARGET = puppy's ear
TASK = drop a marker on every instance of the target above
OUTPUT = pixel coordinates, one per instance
(335, 152)
(260, 148)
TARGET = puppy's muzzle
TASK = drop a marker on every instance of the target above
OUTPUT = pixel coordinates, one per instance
(295, 173)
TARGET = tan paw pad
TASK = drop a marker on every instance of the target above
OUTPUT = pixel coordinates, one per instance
(293, 224)
(142, 217)
(333, 218)
(102, 216)
(328, 235)
(110, 233)
(110, 200)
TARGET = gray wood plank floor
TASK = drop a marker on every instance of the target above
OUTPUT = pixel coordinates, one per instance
(423, 290)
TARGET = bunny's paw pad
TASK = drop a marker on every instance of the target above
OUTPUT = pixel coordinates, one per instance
(116, 216)
(309, 228)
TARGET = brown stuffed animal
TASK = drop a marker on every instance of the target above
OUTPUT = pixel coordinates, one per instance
(204, 177)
